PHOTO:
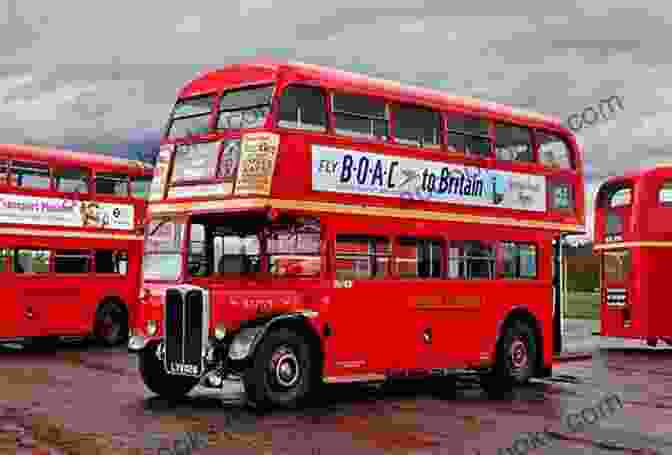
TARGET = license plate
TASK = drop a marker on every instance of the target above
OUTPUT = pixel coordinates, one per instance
(184, 369)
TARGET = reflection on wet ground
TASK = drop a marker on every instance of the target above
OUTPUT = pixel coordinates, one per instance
(84, 400)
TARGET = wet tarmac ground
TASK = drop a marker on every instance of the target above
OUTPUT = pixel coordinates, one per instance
(89, 401)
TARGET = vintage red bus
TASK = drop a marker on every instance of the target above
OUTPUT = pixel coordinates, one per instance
(309, 225)
(70, 243)
(633, 236)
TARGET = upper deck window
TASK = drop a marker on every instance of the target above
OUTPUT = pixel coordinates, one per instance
(621, 198)
(553, 151)
(191, 116)
(140, 186)
(468, 135)
(416, 126)
(195, 161)
(562, 195)
(72, 180)
(303, 108)
(245, 108)
(512, 143)
(4, 172)
(360, 116)
(665, 194)
(111, 183)
(31, 175)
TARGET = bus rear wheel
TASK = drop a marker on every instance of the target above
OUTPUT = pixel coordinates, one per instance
(516, 360)
(158, 381)
(111, 326)
(281, 373)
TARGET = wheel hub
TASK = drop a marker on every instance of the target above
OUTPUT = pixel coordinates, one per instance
(285, 367)
(518, 354)
(110, 328)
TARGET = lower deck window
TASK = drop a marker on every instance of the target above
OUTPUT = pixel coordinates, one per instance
(72, 261)
(361, 257)
(110, 261)
(419, 258)
(6, 260)
(471, 259)
(31, 261)
(519, 260)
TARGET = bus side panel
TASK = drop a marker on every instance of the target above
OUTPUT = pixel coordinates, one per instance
(12, 322)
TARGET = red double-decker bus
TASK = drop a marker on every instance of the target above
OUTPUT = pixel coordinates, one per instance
(309, 225)
(633, 236)
(70, 243)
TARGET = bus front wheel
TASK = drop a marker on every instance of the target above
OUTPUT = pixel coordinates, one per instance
(111, 326)
(516, 358)
(281, 373)
(158, 381)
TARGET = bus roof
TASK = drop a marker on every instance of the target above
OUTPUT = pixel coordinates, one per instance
(268, 70)
(68, 156)
(636, 174)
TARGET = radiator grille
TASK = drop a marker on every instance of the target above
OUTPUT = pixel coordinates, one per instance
(184, 331)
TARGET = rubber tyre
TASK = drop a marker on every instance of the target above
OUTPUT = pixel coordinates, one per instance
(158, 381)
(262, 389)
(516, 360)
(42, 344)
(443, 387)
(111, 326)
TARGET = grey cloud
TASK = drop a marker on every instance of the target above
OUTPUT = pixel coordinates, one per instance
(17, 30)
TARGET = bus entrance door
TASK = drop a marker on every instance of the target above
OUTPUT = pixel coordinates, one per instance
(616, 314)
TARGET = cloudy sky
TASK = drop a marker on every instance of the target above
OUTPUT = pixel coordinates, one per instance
(102, 75)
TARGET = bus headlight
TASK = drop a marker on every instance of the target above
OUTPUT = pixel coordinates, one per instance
(220, 332)
(151, 328)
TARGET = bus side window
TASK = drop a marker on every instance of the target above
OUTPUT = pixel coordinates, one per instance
(519, 260)
(513, 143)
(471, 259)
(553, 152)
(72, 261)
(468, 135)
(362, 257)
(419, 258)
(31, 175)
(72, 180)
(110, 261)
(140, 187)
(665, 194)
(303, 108)
(112, 184)
(6, 260)
(32, 261)
(4, 172)
(360, 116)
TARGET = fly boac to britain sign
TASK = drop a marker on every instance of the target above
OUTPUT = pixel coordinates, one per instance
(373, 174)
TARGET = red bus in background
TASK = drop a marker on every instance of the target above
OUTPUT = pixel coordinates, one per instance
(70, 243)
(633, 236)
(309, 225)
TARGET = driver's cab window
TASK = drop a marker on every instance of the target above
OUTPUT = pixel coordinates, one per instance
(198, 263)
(236, 254)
